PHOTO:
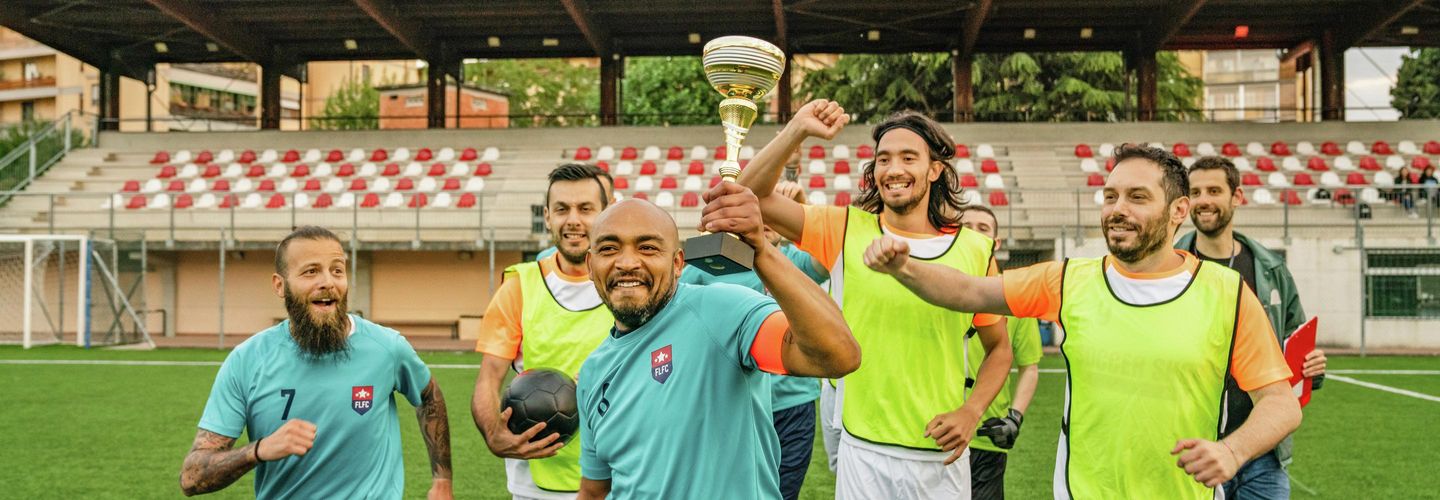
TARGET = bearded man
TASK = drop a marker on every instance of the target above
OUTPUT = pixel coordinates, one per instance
(315, 393)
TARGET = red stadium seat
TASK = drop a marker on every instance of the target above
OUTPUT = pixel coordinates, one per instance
(1369, 163)
(998, 199)
(247, 157)
(842, 167)
(1344, 197)
(266, 185)
(1303, 179)
(864, 183)
(696, 168)
(419, 200)
(212, 170)
(436, 170)
(720, 153)
(424, 154)
(640, 196)
(131, 187)
(229, 201)
(675, 153)
(335, 155)
(312, 185)
(842, 199)
(1094, 180)
(669, 183)
(255, 171)
(1420, 162)
(603, 166)
(1317, 164)
(291, 156)
(404, 184)
(1414, 177)
(204, 157)
(968, 181)
(1291, 197)
(989, 166)
(160, 157)
(817, 182)
(451, 184)
(483, 169)
(690, 200)
(378, 155)
(1110, 164)
(817, 152)
(1180, 149)
(582, 153)
(1432, 148)
(962, 151)
(371, 200)
(358, 184)
(621, 183)
(176, 185)
(184, 201)
(301, 170)
(1250, 179)
(1265, 164)
(322, 201)
(629, 153)
(166, 172)
(391, 170)
(346, 170)
(864, 151)
(137, 201)
(715, 181)
(1230, 149)
(469, 154)
(744, 163)
(1330, 148)
(276, 201)
(647, 168)
(221, 185)
(1356, 179)
(1381, 148)
(1083, 151)
(1280, 149)
(467, 200)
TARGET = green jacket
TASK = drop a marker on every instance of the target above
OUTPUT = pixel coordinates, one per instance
(1275, 288)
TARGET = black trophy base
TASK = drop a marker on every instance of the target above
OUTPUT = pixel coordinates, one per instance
(719, 254)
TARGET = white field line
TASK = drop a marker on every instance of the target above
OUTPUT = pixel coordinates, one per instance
(1386, 388)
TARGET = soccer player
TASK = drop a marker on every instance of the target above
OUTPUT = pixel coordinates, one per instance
(997, 434)
(1214, 193)
(792, 398)
(1151, 333)
(675, 403)
(609, 184)
(315, 393)
(546, 314)
(905, 414)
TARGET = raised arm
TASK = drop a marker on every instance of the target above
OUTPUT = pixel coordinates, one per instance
(435, 427)
(818, 343)
(819, 118)
(212, 464)
(940, 285)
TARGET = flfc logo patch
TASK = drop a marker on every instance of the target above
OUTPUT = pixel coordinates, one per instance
(361, 397)
(661, 363)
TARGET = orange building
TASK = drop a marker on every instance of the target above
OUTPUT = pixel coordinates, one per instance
(403, 107)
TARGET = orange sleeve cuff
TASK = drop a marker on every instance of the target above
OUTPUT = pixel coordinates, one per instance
(823, 236)
(768, 344)
(984, 319)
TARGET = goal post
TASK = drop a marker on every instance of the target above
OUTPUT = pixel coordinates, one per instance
(62, 288)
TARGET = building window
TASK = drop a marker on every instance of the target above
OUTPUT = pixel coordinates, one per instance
(479, 104)
(31, 71)
(95, 95)
(414, 101)
(27, 111)
(1402, 283)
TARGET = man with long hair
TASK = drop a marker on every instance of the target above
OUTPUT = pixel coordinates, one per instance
(905, 413)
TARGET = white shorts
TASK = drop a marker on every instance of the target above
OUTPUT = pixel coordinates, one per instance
(866, 474)
(522, 486)
(829, 422)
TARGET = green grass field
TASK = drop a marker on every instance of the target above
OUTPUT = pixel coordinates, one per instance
(107, 431)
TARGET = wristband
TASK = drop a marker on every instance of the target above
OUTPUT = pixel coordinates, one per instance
(257, 451)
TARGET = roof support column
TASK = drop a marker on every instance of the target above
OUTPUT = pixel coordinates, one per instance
(962, 66)
(1332, 78)
(435, 95)
(783, 110)
(270, 97)
(109, 100)
(610, 89)
(1147, 89)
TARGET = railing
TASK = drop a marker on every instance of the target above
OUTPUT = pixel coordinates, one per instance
(33, 157)
(44, 81)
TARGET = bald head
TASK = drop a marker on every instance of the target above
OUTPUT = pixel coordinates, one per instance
(636, 216)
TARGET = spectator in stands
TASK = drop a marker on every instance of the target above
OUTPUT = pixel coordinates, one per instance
(1404, 190)
(1427, 179)
(1214, 194)
(605, 180)
(287, 384)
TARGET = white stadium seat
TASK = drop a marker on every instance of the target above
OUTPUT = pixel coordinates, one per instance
(817, 167)
(651, 153)
(475, 184)
(267, 156)
(460, 169)
(1256, 149)
(1205, 149)
(1099, 196)
(300, 200)
(1394, 162)
(289, 185)
(1408, 148)
(355, 155)
(381, 185)
(1243, 164)
(699, 153)
(413, 169)
(1356, 148)
(161, 200)
(1331, 179)
(188, 171)
(426, 185)
(840, 152)
(1370, 195)
(994, 181)
(1158, 145)
(970, 197)
(206, 200)
(842, 182)
(152, 186)
(197, 186)
(1305, 148)
(1383, 178)
(692, 183)
(985, 151)
(243, 186)
(322, 170)
(115, 200)
(1292, 164)
(346, 200)
(227, 156)
(746, 153)
(672, 167)
(665, 199)
(1277, 179)
(277, 170)
(445, 154)
(1188, 161)
(252, 200)
(1262, 196)
(1107, 150)
(965, 166)
(817, 198)
(644, 183)
(624, 168)
(400, 154)
(335, 185)
(442, 200)
(367, 170)
(233, 171)
(312, 156)
(491, 154)
(181, 156)
(394, 200)
(1344, 163)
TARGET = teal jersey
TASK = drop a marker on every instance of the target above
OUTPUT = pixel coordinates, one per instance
(546, 253)
(1025, 342)
(351, 401)
(786, 392)
(677, 408)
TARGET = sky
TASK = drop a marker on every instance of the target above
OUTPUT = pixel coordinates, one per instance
(1369, 75)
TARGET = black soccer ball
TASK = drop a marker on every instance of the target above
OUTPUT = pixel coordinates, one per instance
(542, 395)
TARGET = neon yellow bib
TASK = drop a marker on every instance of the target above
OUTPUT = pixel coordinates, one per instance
(914, 352)
(559, 338)
(1140, 379)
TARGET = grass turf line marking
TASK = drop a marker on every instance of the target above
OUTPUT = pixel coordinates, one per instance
(1386, 388)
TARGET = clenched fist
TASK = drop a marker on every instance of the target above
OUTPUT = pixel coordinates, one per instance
(295, 437)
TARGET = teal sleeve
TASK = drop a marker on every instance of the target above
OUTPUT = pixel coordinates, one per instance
(225, 411)
(412, 376)
(591, 467)
(807, 264)
(690, 275)
(734, 314)
(546, 253)
(1025, 340)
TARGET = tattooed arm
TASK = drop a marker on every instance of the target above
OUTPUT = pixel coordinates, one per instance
(212, 464)
(435, 427)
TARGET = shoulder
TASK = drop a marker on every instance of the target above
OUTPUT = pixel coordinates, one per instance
(1185, 240)
(387, 337)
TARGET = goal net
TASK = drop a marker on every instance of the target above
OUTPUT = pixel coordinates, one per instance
(62, 289)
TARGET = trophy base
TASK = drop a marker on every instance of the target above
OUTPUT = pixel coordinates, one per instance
(719, 254)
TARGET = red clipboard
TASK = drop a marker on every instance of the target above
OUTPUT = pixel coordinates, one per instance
(1300, 343)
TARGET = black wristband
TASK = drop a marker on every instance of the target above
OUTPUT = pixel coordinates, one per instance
(257, 451)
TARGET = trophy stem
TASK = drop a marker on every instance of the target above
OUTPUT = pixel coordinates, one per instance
(736, 114)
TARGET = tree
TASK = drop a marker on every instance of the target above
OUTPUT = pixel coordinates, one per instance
(669, 91)
(550, 92)
(1416, 93)
(1049, 86)
(353, 106)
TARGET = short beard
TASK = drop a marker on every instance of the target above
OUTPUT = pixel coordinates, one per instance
(636, 317)
(1152, 237)
(1222, 221)
(319, 340)
(907, 206)
(574, 260)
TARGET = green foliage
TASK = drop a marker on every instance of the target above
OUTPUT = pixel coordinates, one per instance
(553, 92)
(354, 106)
(1416, 93)
(872, 86)
(668, 91)
(16, 135)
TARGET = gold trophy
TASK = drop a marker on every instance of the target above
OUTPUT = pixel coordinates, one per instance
(743, 69)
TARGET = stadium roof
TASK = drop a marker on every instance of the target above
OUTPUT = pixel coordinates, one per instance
(122, 35)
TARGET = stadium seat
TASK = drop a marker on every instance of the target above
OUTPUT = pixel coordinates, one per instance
(204, 157)
(664, 199)
(994, 181)
(1256, 149)
(1305, 148)
(277, 170)
(965, 166)
(491, 154)
(160, 157)
(322, 201)
(1303, 179)
(1292, 197)
(1277, 179)
(1265, 164)
(418, 200)
(301, 170)
(1291, 164)
(1344, 163)
(865, 151)
(1394, 162)
(221, 185)
(300, 200)
(371, 200)
(648, 168)
(1384, 179)
(196, 186)
(624, 168)
(1230, 149)
(817, 151)
(629, 153)
(288, 185)
(746, 153)
(322, 170)
(1371, 196)
(277, 200)
(137, 201)
(1110, 164)
(290, 156)
(246, 157)
(404, 184)
(153, 186)
(1083, 151)
(1180, 149)
(442, 200)
(400, 154)
(188, 171)
(131, 187)
(1355, 148)
(1099, 197)
(161, 200)
(1106, 149)
(467, 200)
(603, 166)
(989, 166)
(695, 168)
(998, 199)
(166, 172)
(255, 171)
(641, 196)
(181, 156)
(311, 185)
(243, 186)
(393, 200)
(699, 152)
(1093, 180)
(1381, 148)
(469, 154)
(842, 152)
(621, 183)
(206, 200)
(253, 200)
(670, 168)
(675, 153)
(984, 151)
(484, 170)
(1369, 163)
(314, 155)
(183, 201)
(176, 185)
(475, 184)
(377, 155)
(651, 153)
(692, 183)
(346, 200)
(1156, 145)
(582, 153)
(1330, 148)
(413, 169)
(382, 184)
(1407, 148)
(436, 170)
(816, 167)
(968, 181)
(962, 151)
(346, 170)
(1205, 149)
(1242, 164)
(843, 166)
(355, 155)
(1279, 148)
(715, 181)
(1331, 179)
(1355, 179)
(446, 154)
(817, 182)
(1250, 180)
(1432, 147)
(842, 182)
(1420, 162)
(816, 198)
(1316, 164)
(390, 170)
(690, 200)
(458, 169)
(233, 171)
(669, 183)
(1089, 165)
(644, 183)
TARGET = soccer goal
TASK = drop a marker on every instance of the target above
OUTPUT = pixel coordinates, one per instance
(59, 288)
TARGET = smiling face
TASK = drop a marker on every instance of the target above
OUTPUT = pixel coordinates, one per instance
(316, 291)
(635, 261)
(1136, 219)
(904, 170)
(569, 214)
(1212, 203)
